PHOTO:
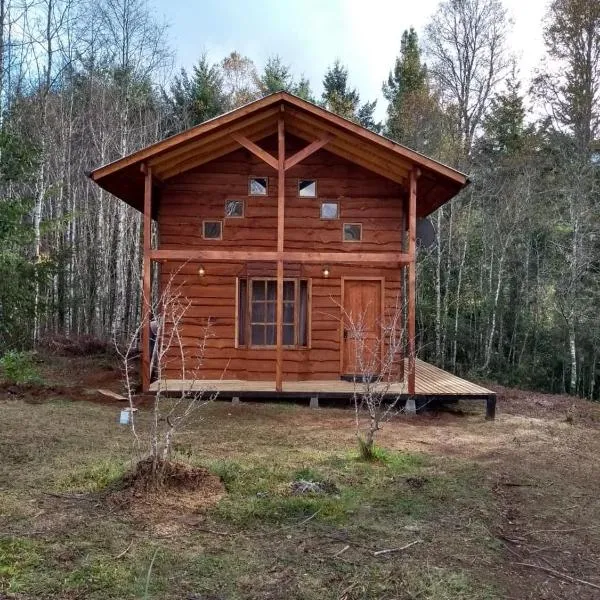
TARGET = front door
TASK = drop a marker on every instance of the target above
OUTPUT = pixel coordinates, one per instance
(361, 327)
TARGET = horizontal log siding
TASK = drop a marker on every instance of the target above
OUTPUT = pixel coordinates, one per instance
(200, 195)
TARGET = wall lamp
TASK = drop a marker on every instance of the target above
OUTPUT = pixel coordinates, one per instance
(326, 271)
(201, 271)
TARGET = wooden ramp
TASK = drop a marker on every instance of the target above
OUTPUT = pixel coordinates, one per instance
(431, 382)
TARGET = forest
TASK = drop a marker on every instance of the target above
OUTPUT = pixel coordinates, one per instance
(510, 290)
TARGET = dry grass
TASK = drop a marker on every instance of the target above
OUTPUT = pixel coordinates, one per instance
(480, 496)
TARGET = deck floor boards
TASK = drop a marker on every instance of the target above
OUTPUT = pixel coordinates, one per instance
(430, 381)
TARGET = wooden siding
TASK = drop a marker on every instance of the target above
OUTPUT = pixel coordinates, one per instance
(200, 195)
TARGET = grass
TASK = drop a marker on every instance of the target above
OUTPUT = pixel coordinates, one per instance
(59, 540)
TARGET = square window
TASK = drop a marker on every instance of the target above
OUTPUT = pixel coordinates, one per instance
(330, 210)
(234, 208)
(352, 232)
(258, 186)
(307, 188)
(212, 230)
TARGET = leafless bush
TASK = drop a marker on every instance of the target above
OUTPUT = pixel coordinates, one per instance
(377, 367)
(171, 408)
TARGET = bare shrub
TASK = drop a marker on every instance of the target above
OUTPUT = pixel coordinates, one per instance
(170, 409)
(377, 367)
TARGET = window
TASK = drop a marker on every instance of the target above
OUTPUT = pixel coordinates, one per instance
(307, 188)
(352, 232)
(234, 208)
(258, 186)
(212, 230)
(257, 312)
(330, 210)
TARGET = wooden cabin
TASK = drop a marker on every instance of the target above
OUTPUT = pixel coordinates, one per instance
(278, 220)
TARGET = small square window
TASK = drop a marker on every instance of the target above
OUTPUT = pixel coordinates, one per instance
(352, 232)
(258, 186)
(234, 208)
(330, 210)
(307, 188)
(212, 230)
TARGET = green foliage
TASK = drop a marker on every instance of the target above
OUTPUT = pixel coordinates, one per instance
(18, 367)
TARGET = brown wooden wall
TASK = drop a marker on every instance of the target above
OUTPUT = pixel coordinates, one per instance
(198, 195)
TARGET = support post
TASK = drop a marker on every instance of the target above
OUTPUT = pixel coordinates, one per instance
(412, 276)
(146, 291)
(280, 245)
(490, 407)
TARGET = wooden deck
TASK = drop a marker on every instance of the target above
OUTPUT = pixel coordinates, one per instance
(430, 381)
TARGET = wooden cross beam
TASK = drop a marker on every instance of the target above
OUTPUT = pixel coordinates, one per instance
(256, 150)
(307, 151)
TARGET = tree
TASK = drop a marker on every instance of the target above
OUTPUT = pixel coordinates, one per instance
(239, 80)
(414, 117)
(570, 88)
(276, 77)
(193, 100)
(20, 270)
(570, 85)
(339, 97)
(466, 45)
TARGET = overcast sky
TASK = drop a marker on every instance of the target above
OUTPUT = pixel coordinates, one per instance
(310, 34)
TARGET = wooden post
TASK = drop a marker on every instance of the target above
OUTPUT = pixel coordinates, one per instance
(146, 300)
(412, 276)
(280, 238)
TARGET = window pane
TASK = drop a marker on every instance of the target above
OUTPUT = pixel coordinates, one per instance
(258, 335)
(271, 335)
(329, 210)
(288, 312)
(303, 314)
(234, 208)
(271, 308)
(288, 335)
(307, 188)
(258, 186)
(242, 308)
(258, 312)
(288, 290)
(271, 290)
(212, 230)
(258, 290)
(352, 232)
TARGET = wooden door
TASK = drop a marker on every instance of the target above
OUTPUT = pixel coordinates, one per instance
(361, 327)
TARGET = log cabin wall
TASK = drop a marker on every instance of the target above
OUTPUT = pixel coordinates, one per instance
(188, 200)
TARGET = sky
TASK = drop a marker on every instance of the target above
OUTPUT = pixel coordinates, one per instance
(309, 35)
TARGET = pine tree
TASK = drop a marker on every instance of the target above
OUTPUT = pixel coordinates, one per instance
(504, 132)
(339, 97)
(409, 77)
(195, 99)
(276, 77)
(414, 116)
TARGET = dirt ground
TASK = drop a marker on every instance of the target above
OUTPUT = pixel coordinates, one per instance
(505, 509)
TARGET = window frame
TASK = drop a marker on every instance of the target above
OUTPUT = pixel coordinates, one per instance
(212, 239)
(248, 313)
(250, 178)
(234, 216)
(336, 218)
(360, 239)
(299, 195)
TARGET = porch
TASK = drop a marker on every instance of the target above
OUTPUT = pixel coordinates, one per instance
(431, 383)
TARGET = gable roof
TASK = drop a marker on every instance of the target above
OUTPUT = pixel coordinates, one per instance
(209, 140)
